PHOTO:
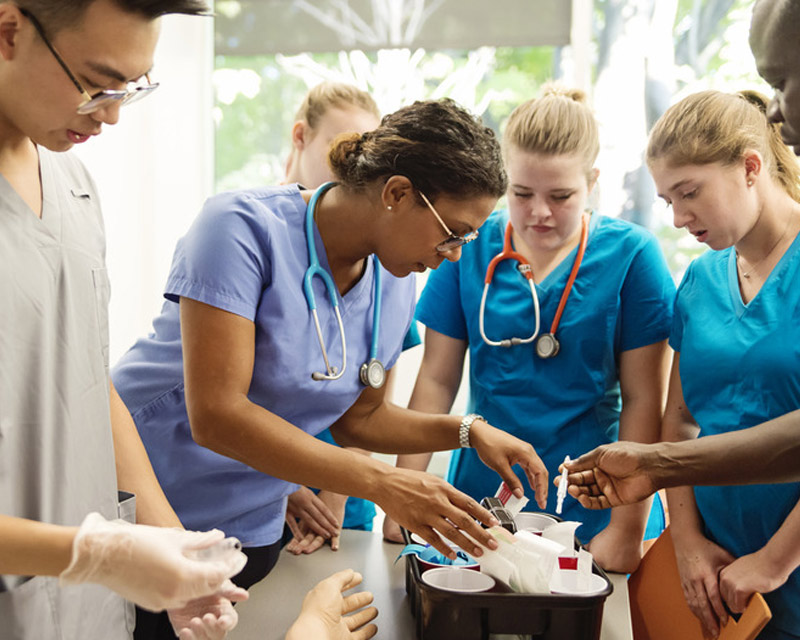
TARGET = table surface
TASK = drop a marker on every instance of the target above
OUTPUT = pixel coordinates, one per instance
(275, 602)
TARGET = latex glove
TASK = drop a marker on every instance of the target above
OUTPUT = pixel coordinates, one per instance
(209, 617)
(501, 451)
(699, 564)
(616, 550)
(391, 531)
(611, 475)
(306, 512)
(750, 574)
(311, 541)
(329, 615)
(148, 565)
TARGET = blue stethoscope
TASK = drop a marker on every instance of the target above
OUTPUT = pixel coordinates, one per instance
(372, 372)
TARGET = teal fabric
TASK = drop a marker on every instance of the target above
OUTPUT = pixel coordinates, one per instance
(622, 299)
(738, 367)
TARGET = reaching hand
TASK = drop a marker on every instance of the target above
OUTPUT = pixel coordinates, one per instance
(210, 617)
(150, 566)
(431, 507)
(329, 615)
(501, 451)
(611, 475)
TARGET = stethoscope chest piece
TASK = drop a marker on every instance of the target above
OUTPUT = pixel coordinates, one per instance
(547, 345)
(373, 373)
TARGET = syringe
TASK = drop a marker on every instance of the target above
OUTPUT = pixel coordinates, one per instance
(562, 487)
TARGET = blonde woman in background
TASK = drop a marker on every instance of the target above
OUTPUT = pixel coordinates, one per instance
(733, 184)
(328, 110)
(608, 378)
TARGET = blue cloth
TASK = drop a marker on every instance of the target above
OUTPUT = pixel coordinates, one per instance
(622, 299)
(738, 368)
(246, 253)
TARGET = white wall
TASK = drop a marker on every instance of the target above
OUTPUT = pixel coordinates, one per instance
(154, 170)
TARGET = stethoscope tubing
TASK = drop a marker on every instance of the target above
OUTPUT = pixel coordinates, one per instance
(315, 269)
(525, 269)
(576, 265)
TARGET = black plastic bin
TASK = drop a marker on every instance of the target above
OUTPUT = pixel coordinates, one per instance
(443, 615)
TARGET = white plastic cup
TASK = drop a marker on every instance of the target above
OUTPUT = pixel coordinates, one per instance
(458, 580)
(533, 522)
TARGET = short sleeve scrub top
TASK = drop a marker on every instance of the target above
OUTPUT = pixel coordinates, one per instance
(739, 368)
(246, 253)
(569, 404)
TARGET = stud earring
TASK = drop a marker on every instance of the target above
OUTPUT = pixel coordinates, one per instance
(749, 183)
(389, 208)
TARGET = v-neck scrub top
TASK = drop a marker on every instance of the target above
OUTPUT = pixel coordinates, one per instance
(739, 367)
(246, 253)
(56, 451)
(622, 299)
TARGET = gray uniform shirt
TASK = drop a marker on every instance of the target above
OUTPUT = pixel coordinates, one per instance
(56, 451)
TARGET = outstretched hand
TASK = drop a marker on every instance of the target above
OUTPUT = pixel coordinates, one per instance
(327, 614)
(501, 451)
(611, 475)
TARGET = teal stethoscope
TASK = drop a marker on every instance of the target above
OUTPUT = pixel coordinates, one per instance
(372, 372)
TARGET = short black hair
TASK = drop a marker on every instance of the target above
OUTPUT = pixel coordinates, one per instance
(61, 14)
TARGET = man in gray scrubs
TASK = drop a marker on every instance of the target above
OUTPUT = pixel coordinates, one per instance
(66, 67)
(626, 472)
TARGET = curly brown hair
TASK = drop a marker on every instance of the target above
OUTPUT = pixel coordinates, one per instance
(438, 145)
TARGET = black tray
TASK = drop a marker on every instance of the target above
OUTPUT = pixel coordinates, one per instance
(443, 615)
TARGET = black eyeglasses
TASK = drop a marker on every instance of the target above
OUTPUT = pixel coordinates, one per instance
(453, 241)
(101, 99)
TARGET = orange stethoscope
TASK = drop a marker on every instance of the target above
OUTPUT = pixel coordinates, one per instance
(547, 344)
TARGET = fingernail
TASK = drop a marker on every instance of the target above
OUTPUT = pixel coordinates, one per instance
(493, 521)
(477, 552)
(493, 544)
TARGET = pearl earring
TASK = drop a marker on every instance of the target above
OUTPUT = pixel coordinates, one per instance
(749, 183)
(389, 208)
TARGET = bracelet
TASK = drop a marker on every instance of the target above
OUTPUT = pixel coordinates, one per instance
(463, 429)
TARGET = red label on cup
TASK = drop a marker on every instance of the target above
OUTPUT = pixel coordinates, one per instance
(568, 563)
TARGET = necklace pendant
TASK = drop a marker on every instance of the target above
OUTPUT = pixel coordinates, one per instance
(746, 275)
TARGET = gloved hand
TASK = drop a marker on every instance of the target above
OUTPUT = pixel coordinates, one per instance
(210, 617)
(150, 566)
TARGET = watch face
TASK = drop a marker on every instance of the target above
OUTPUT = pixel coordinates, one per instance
(547, 346)
(373, 374)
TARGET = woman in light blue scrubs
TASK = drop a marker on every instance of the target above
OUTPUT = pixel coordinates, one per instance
(734, 185)
(230, 388)
(608, 379)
